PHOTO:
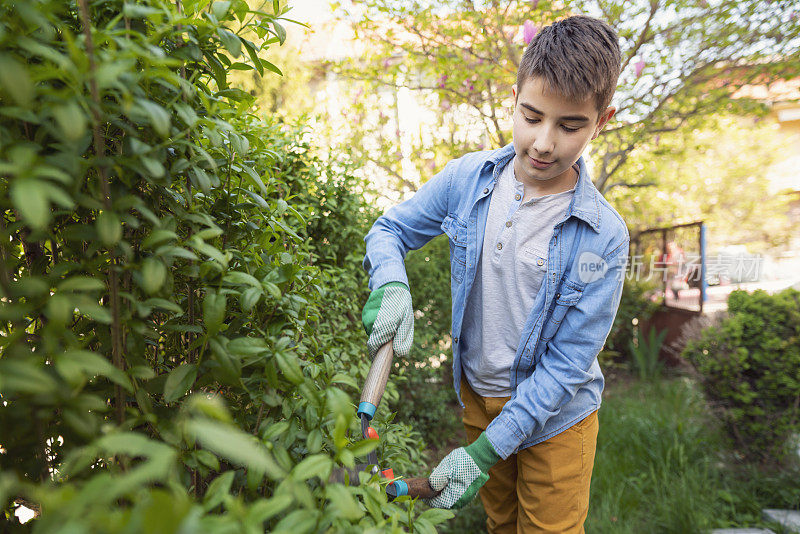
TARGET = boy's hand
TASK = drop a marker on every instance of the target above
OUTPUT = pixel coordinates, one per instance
(388, 315)
(461, 474)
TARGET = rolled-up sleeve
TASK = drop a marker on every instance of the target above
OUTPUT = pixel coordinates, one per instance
(406, 226)
(565, 365)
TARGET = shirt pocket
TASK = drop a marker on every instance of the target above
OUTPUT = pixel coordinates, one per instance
(535, 260)
(457, 232)
(568, 297)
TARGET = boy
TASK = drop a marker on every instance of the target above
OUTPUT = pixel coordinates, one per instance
(537, 256)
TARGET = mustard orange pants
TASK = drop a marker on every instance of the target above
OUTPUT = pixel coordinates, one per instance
(541, 489)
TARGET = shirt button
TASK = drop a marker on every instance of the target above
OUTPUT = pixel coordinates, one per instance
(485, 190)
(499, 246)
(517, 196)
(455, 340)
(508, 224)
(540, 263)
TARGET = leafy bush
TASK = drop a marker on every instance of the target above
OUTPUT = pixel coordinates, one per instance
(750, 367)
(179, 291)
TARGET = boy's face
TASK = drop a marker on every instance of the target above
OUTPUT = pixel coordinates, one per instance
(551, 132)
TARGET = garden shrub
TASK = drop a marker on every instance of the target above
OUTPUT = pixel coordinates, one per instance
(750, 369)
(180, 347)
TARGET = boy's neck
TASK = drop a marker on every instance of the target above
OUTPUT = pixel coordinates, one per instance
(539, 188)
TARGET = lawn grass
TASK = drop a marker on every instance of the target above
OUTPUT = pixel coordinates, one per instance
(664, 465)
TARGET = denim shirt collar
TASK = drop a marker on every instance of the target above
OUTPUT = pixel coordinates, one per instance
(585, 203)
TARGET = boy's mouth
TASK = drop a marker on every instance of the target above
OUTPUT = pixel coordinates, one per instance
(539, 164)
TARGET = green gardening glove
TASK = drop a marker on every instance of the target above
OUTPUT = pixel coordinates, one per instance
(461, 474)
(388, 315)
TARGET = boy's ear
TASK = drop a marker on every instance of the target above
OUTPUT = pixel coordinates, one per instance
(514, 93)
(603, 120)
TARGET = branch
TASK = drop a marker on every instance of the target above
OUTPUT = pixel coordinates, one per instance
(391, 171)
(99, 150)
(629, 186)
(643, 38)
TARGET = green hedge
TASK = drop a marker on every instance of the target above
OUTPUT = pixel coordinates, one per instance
(750, 367)
(179, 333)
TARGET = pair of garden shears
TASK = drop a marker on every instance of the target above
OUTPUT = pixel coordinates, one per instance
(371, 396)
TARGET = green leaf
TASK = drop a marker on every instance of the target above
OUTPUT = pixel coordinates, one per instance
(71, 120)
(314, 441)
(247, 346)
(213, 311)
(250, 298)
(90, 364)
(264, 509)
(317, 465)
(154, 273)
(240, 278)
(302, 521)
(139, 11)
(363, 447)
(94, 311)
(153, 167)
(209, 233)
(275, 429)
(220, 8)
(208, 250)
(214, 407)
(15, 80)
(280, 31)
(109, 229)
(59, 309)
(30, 198)
(423, 526)
(273, 290)
(164, 305)
(179, 381)
(290, 367)
(158, 237)
(236, 446)
(251, 51)
(81, 283)
(208, 459)
(25, 377)
(231, 42)
(341, 378)
(271, 67)
(218, 490)
(255, 178)
(344, 502)
(157, 116)
(437, 515)
(340, 432)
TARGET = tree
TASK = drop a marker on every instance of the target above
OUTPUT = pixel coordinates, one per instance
(682, 62)
(719, 174)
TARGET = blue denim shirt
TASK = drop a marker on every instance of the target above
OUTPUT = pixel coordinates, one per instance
(555, 376)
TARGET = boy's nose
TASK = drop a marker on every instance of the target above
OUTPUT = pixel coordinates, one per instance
(543, 144)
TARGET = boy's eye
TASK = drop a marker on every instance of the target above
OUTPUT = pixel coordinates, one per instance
(532, 121)
(568, 129)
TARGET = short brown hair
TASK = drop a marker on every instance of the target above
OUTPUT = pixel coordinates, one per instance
(578, 57)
